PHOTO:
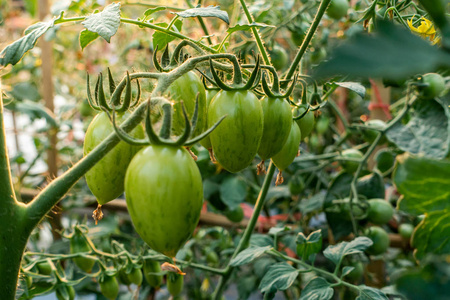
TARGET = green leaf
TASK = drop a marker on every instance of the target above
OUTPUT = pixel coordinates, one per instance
(313, 204)
(306, 246)
(25, 91)
(248, 255)
(276, 230)
(353, 86)
(279, 277)
(317, 289)
(105, 23)
(15, 51)
(336, 252)
(393, 53)
(86, 37)
(35, 110)
(424, 184)
(151, 11)
(428, 131)
(368, 293)
(205, 12)
(247, 27)
(347, 270)
(161, 39)
(261, 240)
(371, 186)
(233, 191)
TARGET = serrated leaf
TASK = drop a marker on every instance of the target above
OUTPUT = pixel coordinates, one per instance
(279, 277)
(428, 131)
(347, 270)
(317, 289)
(205, 12)
(353, 86)
(233, 192)
(247, 27)
(161, 39)
(306, 246)
(14, 52)
(105, 23)
(86, 37)
(151, 11)
(368, 293)
(336, 252)
(248, 255)
(276, 230)
(392, 52)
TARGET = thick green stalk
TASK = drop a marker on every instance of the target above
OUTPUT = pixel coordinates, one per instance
(243, 243)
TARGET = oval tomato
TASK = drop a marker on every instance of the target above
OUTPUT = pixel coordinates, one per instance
(65, 292)
(164, 194)
(370, 135)
(277, 126)
(236, 140)
(279, 57)
(306, 123)
(150, 267)
(380, 211)
(186, 89)
(78, 244)
(133, 277)
(109, 287)
(380, 240)
(290, 149)
(206, 142)
(348, 165)
(105, 179)
(406, 230)
(175, 284)
(337, 9)
(44, 268)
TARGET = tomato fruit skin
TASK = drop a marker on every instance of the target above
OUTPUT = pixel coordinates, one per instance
(134, 277)
(385, 160)
(206, 142)
(185, 89)
(436, 85)
(306, 123)
(70, 292)
(175, 284)
(164, 194)
(44, 268)
(322, 125)
(296, 185)
(337, 9)
(109, 287)
(105, 179)
(357, 273)
(77, 245)
(290, 149)
(235, 215)
(406, 230)
(212, 258)
(380, 240)
(236, 140)
(152, 266)
(351, 166)
(277, 126)
(279, 57)
(371, 135)
(380, 211)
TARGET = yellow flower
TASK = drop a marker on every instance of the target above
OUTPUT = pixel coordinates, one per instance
(425, 29)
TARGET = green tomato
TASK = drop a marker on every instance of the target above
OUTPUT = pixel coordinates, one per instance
(167, 180)
(385, 160)
(380, 211)
(186, 89)
(436, 85)
(279, 57)
(371, 135)
(318, 55)
(406, 230)
(133, 277)
(356, 210)
(306, 123)
(175, 284)
(206, 142)
(65, 292)
(380, 240)
(78, 244)
(277, 126)
(236, 140)
(150, 267)
(357, 273)
(322, 125)
(337, 9)
(212, 258)
(109, 287)
(297, 37)
(235, 215)
(351, 166)
(105, 179)
(44, 268)
(296, 185)
(290, 149)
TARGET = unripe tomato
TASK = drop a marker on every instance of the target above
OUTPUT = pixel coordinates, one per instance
(236, 140)
(134, 277)
(318, 55)
(406, 230)
(175, 284)
(65, 292)
(212, 258)
(185, 89)
(150, 267)
(277, 126)
(109, 287)
(297, 37)
(436, 85)
(356, 210)
(235, 215)
(380, 240)
(306, 123)
(279, 57)
(357, 273)
(78, 245)
(164, 194)
(105, 179)
(380, 211)
(322, 125)
(351, 166)
(44, 268)
(337, 9)
(296, 185)
(290, 149)
(371, 135)
(385, 160)
(206, 142)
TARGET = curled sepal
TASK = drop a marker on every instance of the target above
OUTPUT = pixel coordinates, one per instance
(127, 99)
(195, 114)
(122, 134)
(266, 87)
(253, 76)
(92, 102)
(112, 84)
(217, 80)
(154, 138)
(101, 98)
(167, 122)
(206, 77)
(187, 129)
(204, 134)
(302, 114)
(156, 62)
(138, 96)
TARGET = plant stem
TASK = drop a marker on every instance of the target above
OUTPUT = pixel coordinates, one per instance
(243, 243)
